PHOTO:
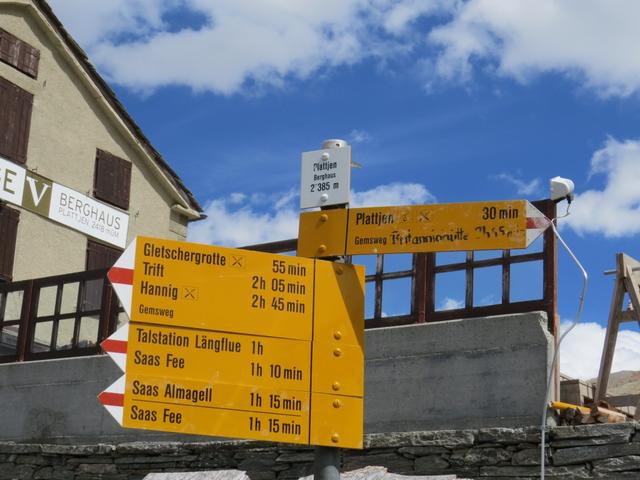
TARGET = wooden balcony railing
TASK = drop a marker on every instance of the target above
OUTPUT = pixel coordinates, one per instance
(55, 317)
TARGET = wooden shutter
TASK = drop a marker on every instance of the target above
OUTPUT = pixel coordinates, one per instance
(15, 121)
(98, 256)
(19, 54)
(8, 232)
(101, 256)
(112, 181)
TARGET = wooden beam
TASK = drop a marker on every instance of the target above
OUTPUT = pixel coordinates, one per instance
(612, 331)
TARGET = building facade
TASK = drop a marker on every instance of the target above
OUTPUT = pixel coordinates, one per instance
(78, 182)
(67, 144)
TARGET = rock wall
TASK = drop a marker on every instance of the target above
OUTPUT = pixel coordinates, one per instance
(593, 451)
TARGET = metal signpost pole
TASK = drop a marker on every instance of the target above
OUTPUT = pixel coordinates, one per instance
(326, 463)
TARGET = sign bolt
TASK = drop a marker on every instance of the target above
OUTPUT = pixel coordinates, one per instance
(324, 197)
(324, 156)
(336, 386)
(335, 438)
(337, 352)
(337, 334)
(322, 248)
(324, 217)
(337, 403)
(339, 270)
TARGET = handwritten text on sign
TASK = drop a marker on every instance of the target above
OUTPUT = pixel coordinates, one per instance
(416, 228)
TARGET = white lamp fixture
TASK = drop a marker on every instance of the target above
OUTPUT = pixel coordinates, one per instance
(561, 189)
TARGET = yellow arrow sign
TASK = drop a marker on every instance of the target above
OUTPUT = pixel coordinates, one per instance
(151, 415)
(201, 286)
(215, 394)
(222, 342)
(420, 228)
(214, 356)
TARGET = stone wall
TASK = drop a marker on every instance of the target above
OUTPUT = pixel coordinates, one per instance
(594, 451)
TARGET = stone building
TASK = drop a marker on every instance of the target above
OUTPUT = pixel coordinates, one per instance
(78, 178)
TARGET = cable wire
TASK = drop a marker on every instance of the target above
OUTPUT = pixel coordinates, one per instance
(543, 425)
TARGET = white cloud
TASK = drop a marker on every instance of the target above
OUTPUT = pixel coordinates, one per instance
(594, 43)
(240, 42)
(359, 136)
(243, 45)
(236, 198)
(581, 350)
(237, 222)
(243, 219)
(398, 17)
(523, 188)
(392, 194)
(613, 211)
(451, 304)
(94, 22)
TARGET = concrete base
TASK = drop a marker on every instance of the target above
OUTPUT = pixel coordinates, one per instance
(475, 373)
(55, 401)
(471, 373)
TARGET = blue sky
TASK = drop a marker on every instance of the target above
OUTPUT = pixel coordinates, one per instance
(442, 101)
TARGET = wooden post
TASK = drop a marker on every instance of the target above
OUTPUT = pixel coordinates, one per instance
(627, 282)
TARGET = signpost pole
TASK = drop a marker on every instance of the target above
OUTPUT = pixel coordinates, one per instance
(326, 463)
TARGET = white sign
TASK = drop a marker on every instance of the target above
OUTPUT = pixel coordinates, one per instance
(75, 210)
(82, 213)
(11, 182)
(326, 177)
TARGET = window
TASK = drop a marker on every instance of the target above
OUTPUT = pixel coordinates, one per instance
(112, 180)
(15, 120)
(11, 306)
(8, 232)
(63, 323)
(19, 54)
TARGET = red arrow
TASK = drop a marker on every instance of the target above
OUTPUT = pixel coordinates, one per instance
(113, 399)
(116, 346)
(121, 277)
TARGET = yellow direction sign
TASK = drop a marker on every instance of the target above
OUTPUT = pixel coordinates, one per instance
(214, 394)
(202, 286)
(214, 356)
(236, 343)
(420, 228)
(290, 428)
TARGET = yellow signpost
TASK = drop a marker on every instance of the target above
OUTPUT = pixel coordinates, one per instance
(193, 419)
(201, 286)
(218, 356)
(237, 343)
(420, 228)
(208, 393)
